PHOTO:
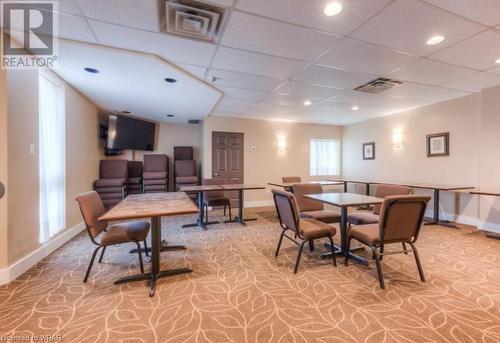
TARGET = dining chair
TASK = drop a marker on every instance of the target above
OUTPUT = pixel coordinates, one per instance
(401, 219)
(305, 229)
(215, 198)
(290, 179)
(309, 208)
(102, 235)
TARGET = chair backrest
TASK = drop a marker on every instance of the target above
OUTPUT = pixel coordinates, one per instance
(287, 209)
(155, 163)
(185, 168)
(214, 194)
(183, 153)
(113, 169)
(306, 204)
(384, 190)
(401, 217)
(288, 179)
(134, 169)
(92, 208)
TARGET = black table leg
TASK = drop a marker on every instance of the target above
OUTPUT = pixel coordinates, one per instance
(345, 186)
(436, 220)
(240, 219)
(340, 251)
(367, 189)
(163, 246)
(155, 273)
(201, 221)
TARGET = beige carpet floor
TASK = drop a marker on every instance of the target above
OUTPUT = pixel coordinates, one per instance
(240, 293)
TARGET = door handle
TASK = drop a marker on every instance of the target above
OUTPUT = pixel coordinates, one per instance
(2, 190)
(216, 174)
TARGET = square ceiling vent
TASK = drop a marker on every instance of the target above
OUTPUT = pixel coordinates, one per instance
(378, 85)
(195, 19)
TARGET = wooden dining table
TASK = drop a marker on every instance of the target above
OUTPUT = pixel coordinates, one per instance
(199, 190)
(153, 206)
(240, 188)
(344, 201)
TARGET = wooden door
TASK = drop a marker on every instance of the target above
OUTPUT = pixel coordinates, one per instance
(227, 159)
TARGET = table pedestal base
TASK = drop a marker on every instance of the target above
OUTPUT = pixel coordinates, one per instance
(352, 255)
(237, 220)
(202, 225)
(163, 247)
(153, 278)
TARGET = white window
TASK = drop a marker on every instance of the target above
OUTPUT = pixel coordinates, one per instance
(325, 157)
(52, 160)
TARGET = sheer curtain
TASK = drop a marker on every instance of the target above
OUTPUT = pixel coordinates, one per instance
(325, 157)
(52, 157)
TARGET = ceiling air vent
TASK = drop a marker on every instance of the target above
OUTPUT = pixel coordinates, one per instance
(193, 121)
(378, 85)
(195, 19)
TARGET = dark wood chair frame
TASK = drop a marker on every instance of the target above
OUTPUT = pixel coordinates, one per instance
(300, 236)
(378, 250)
(205, 206)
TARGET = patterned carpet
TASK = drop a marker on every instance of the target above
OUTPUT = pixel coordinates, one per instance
(240, 293)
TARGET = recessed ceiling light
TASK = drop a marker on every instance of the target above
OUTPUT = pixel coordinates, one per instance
(170, 80)
(307, 103)
(354, 108)
(435, 40)
(497, 61)
(91, 70)
(170, 115)
(333, 8)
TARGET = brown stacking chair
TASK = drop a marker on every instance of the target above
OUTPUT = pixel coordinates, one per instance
(92, 208)
(112, 183)
(306, 229)
(401, 218)
(382, 191)
(310, 208)
(134, 181)
(185, 173)
(155, 174)
(215, 198)
(290, 179)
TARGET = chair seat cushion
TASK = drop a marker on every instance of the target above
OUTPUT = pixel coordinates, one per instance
(325, 216)
(125, 232)
(367, 234)
(155, 182)
(181, 180)
(312, 228)
(154, 175)
(362, 217)
(104, 190)
(216, 201)
(134, 180)
(110, 183)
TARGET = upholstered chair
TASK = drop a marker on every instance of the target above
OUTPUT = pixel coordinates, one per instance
(134, 181)
(215, 198)
(309, 208)
(290, 179)
(112, 183)
(155, 174)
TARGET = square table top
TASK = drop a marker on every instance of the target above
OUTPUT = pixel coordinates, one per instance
(201, 188)
(151, 205)
(351, 181)
(345, 199)
(322, 183)
(485, 192)
(241, 186)
(423, 185)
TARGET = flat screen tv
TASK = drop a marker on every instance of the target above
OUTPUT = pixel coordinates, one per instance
(130, 133)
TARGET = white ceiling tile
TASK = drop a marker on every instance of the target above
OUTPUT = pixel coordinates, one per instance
(141, 14)
(290, 100)
(360, 98)
(242, 94)
(259, 34)
(486, 12)
(64, 6)
(326, 76)
(228, 102)
(197, 71)
(255, 63)
(308, 90)
(430, 72)
(406, 25)
(358, 56)
(475, 82)
(425, 93)
(310, 13)
(495, 70)
(168, 47)
(241, 80)
(228, 110)
(479, 52)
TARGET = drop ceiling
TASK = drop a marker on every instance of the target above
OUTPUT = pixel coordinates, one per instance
(275, 54)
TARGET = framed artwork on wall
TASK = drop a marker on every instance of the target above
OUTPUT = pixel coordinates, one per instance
(369, 151)
(438, 144)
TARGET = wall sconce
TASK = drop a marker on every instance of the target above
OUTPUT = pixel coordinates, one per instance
(281, 144)
(397, 140)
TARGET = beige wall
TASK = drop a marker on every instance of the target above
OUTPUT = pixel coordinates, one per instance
(266, 164)
(474, 126)
(3, 168)
(81, 161)
(168, 136)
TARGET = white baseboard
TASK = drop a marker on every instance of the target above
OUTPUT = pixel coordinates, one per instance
(259, 203)
(19, 267)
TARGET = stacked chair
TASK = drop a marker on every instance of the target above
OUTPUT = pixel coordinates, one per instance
(134, 181)
(112, 183)
(155, 173)
(184, 167)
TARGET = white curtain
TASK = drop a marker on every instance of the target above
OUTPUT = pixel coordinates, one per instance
(52, 158)
(325, 157)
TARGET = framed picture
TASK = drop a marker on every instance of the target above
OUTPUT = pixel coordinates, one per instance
(369, 151)
(438, 144)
